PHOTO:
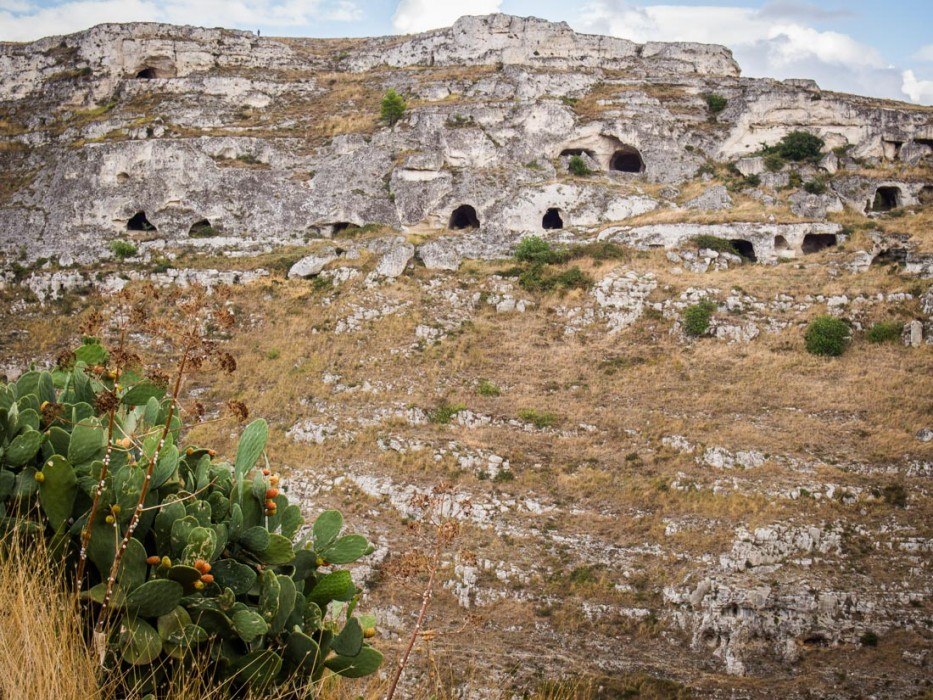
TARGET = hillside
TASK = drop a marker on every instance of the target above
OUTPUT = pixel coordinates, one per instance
(660, 506)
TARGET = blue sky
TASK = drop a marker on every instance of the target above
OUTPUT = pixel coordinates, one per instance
(874, 48)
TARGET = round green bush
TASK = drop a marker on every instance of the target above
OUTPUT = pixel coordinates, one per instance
(827, 335)
(696, 318)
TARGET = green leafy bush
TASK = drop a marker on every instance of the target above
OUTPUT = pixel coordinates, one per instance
(206, 558)
(123, 249)
(720, 245)
(827, 335)
(488, 388)
(535, 249)
(715, 103)
(696, 318)
(773, 162)
(816, 186)
(392, 107)
(798, 146)
(445, 412)
(539, 419)
(572, 278)
(884, 332)
(577, 166)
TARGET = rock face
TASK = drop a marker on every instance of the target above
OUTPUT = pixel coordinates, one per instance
(267, 140)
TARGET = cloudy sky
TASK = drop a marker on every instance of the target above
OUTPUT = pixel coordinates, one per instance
(862, 46)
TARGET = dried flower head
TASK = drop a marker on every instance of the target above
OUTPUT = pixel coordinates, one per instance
(106, 401)
(238, 409)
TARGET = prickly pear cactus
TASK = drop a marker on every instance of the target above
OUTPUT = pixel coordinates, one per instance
(216, 563)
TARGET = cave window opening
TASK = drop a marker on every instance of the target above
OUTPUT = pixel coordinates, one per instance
(552, 219)
(202, 229)
(886, 199)
(463, 217)
(147, 73)
(627, 160)
(570, 152)
(780, 244)
(745, 249)
(139, 222)
(815, 242)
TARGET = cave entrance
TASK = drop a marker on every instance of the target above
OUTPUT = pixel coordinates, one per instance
(463, 217)
(781, 245)
(147, 74)
(886, 199)
(139, 222)
(202, 229)
(891, 256)
(815, 242)
(627, 160)
(552, 219)
(744, 248)
(340, 227)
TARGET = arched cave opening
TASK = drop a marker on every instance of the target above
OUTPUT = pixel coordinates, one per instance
(781, 245)
(463, 217)
(552, 219)
(815, 242)
(744, 248)
(139, 222)
(202, 229)
(340, 227)
(147, 73)
(886, 199)
(627, 160)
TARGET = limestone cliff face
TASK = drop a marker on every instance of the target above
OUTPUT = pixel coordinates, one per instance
(277, 141)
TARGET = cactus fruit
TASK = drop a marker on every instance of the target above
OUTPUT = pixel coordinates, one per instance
(231, 570)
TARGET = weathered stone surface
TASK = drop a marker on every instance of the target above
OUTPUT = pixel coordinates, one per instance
(311, 265)
(714, 199)
(395, 260)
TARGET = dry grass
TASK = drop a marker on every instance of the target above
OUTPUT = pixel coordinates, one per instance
(42, 650)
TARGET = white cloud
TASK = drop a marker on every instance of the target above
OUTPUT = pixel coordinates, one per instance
(917, 90)
(421, 15)
(925, 53)
(774, 41)
(25, 21)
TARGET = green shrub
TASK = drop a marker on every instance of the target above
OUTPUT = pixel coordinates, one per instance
(123, 249)
(696, 318)
(572, 278)
(392, 108)
(203, 554)
(535, 249)
(539, 419)
(773, 162)
(535, 279)
(720, 245)
(816, 186)
(577, 166)
(715, 103)
(445, 412)
(487, 388)
(884, 332)
(827, 335)
(798, 146)
(869, 639)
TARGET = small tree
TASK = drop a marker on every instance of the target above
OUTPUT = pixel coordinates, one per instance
(800, 145)
(696, 318)
(393, 107)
